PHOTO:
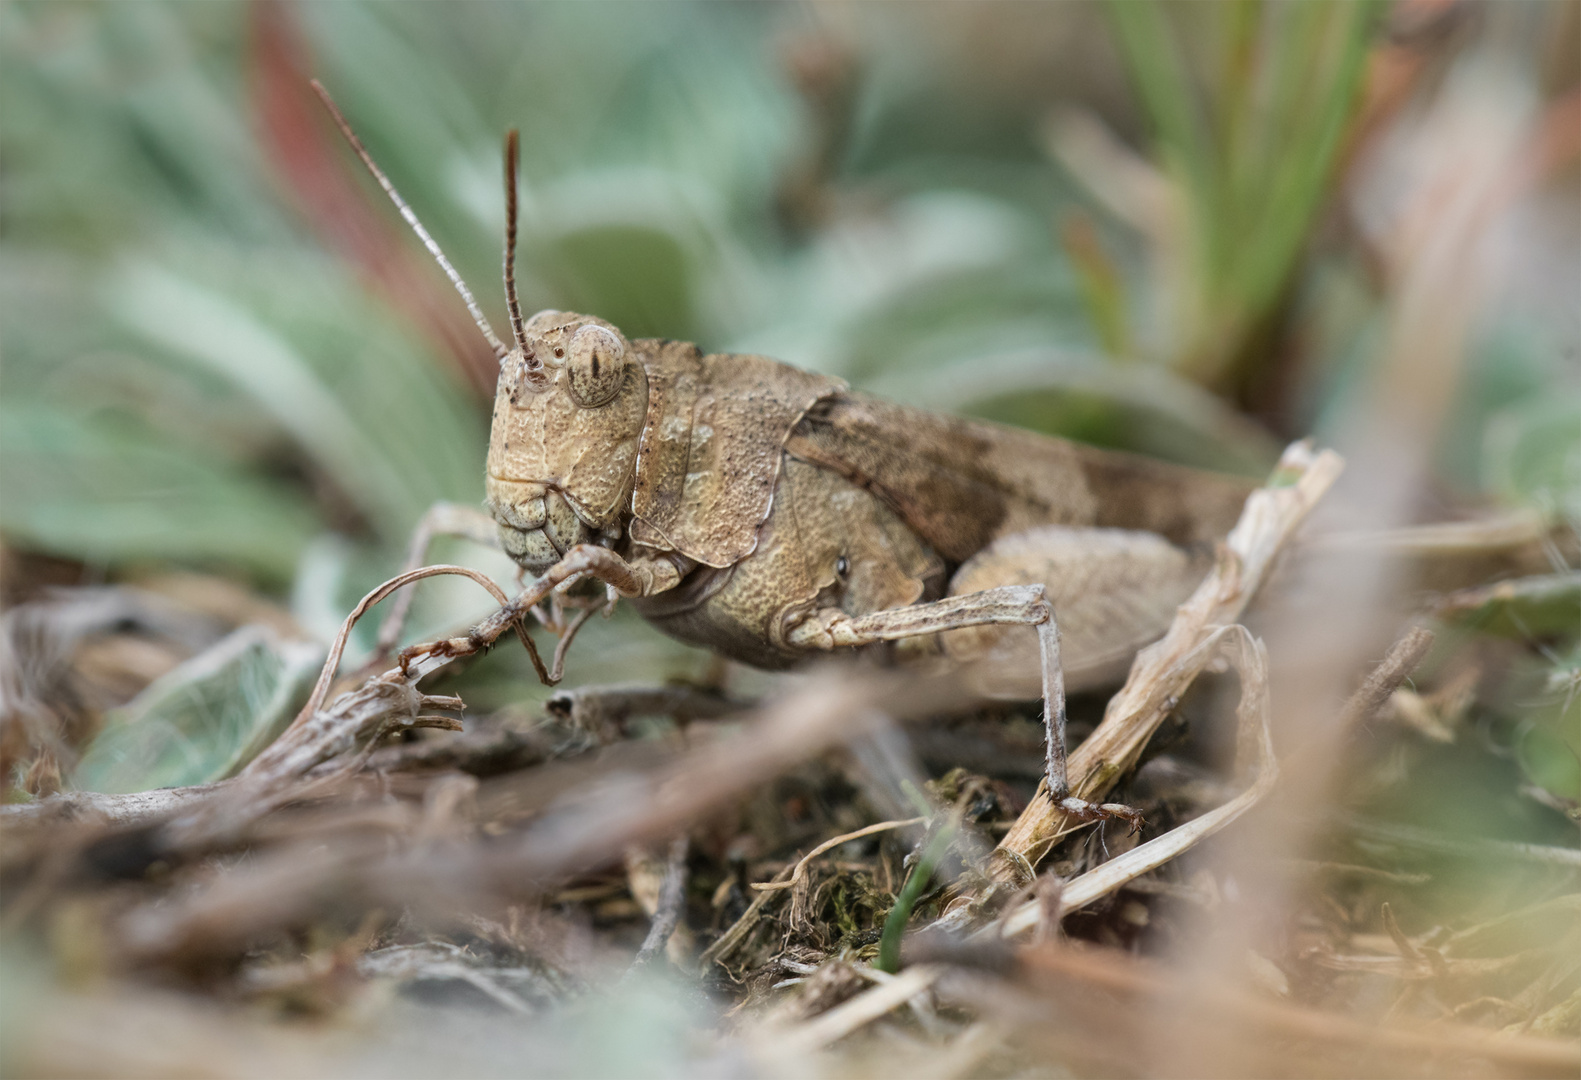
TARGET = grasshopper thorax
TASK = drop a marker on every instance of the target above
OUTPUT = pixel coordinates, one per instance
(568, 413)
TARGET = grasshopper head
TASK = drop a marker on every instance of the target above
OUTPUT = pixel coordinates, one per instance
(568, 412)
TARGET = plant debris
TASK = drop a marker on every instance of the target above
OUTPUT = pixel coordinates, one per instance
(523, 865)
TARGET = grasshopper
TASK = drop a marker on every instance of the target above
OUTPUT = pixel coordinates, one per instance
(771, 514)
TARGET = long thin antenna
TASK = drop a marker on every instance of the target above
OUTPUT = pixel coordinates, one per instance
(512, 160)
(499, 346)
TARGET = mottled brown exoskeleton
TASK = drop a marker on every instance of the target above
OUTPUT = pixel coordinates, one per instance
(771, 514)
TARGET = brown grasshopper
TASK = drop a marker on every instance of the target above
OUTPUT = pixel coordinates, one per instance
(771, 514)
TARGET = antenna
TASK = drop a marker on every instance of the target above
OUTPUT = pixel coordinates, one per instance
(512, 160)
(500, 349)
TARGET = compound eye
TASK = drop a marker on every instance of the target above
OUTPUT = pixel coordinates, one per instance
(595, 366)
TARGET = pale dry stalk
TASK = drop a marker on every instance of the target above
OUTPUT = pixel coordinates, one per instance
(1061, 968)
(1163, 671)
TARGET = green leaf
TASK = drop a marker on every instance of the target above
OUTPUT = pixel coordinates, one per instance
(205, 719)
(106, 488)
(1532, 453)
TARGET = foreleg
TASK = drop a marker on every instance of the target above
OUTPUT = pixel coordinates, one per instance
(442, 519)
(455, 519)
(1025, 605)
(639, 577)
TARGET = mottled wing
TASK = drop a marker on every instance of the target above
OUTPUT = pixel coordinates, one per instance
(963, 483)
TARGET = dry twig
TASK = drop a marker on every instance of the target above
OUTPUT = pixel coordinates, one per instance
(589, 829)
(845, 1018)
(672, 904)
(1394, 669)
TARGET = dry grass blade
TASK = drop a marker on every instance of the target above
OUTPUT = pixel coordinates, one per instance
(1535, 587)
(843, 1019)
(801, 867)
(1472, 848)
(1162, 672)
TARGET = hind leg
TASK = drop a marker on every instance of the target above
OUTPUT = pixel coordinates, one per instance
(1114, 591)
(1011, 605)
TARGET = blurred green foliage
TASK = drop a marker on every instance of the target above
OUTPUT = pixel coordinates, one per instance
(197, 371)
(1251, 141)
(190, 375)
(205, 719)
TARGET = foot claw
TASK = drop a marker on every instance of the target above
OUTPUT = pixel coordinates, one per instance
(1087, 811)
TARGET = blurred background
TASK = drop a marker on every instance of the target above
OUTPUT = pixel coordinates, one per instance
(1183, 230)
(1198, 230)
